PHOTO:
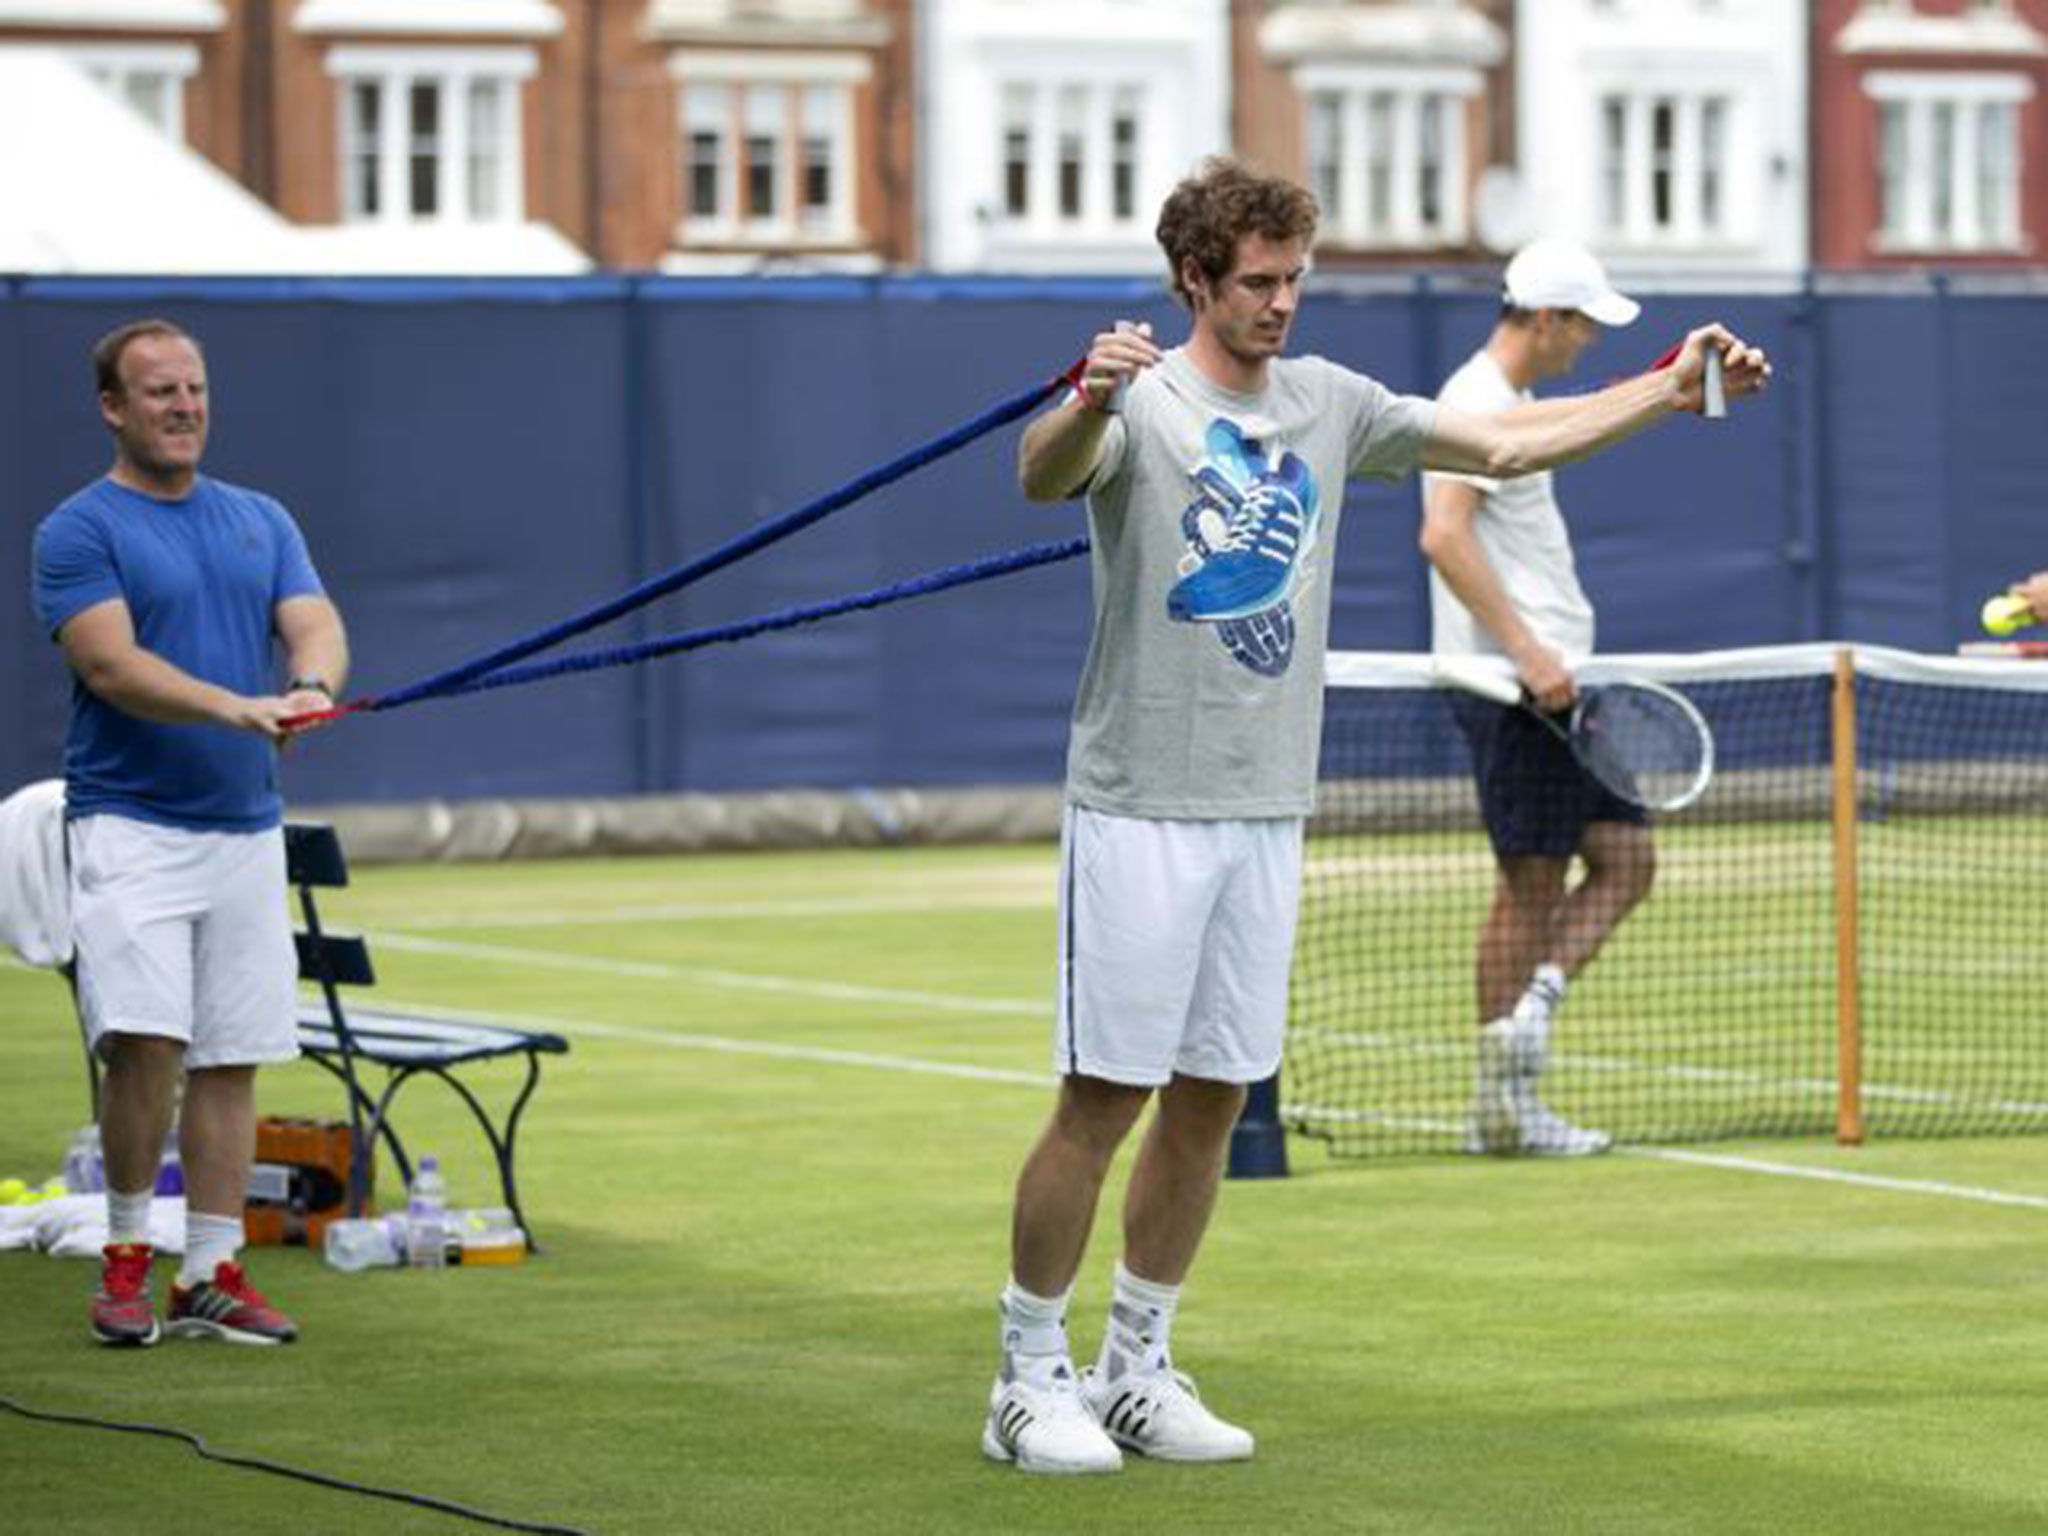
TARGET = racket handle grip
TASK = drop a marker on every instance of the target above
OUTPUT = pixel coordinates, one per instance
(1716, 404)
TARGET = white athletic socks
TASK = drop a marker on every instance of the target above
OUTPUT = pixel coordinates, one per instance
(128, 1216)
(1034, 1331)
(1140, 1322)
(210, 1241)
(1543, 997)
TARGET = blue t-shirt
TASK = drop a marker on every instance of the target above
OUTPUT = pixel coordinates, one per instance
(202, 578)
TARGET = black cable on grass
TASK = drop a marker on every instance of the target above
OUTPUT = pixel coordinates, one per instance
(321, 1479)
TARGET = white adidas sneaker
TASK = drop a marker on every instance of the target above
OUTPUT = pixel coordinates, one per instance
(1045, 1427)
(1507, 1057)
(1547, 1134)
(1159, 1414)
(1507, 1116)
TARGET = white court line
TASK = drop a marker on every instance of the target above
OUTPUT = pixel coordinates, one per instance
(734, 981)
(1837, 1176)
(731, 911)
(910, 1064)
(726, 1045)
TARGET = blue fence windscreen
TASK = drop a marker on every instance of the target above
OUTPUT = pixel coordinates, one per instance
(472, 460)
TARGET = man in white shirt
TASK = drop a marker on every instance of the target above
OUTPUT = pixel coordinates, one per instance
(1503, 583)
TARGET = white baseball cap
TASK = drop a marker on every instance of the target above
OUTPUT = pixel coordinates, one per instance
(1558, 274)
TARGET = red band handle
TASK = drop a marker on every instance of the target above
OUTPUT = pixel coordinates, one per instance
(315, 717)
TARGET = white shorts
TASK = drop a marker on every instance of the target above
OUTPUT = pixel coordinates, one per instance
(1175, 942)
(185, 934)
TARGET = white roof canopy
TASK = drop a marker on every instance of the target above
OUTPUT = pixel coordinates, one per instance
(88, 186)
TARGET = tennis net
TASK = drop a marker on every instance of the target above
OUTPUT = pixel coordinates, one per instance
(1841, 938)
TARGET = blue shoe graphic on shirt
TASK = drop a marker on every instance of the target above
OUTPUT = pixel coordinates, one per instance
(1268, 518)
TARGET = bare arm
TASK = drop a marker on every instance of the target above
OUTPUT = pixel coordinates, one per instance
(315, 646)
(100, 645)
(1451, 542)
(1060, 450)
(1547, 433)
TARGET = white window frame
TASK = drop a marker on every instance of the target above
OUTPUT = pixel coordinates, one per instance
(1379, 175)
(503, 20)
(707, 107)
(1079, 112)
(803, 81)
(454, 71)
(1635, 226)
(1917, 96)
(108, 15)
(116, 65)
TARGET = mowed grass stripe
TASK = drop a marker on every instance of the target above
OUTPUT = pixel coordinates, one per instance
(766, 1304)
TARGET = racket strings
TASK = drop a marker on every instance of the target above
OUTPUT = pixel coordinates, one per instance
(1641, 744)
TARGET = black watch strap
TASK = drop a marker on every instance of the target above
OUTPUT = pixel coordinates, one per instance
(315, 684)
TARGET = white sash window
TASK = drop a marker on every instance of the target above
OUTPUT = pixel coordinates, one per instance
(1950, 160)
(767, 147)
(1387, 157)
(431, 135)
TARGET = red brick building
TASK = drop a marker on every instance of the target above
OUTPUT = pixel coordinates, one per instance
(649, 132)
(1929, 127)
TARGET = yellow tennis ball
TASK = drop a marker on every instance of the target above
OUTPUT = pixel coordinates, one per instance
(13, 1192)
(56, 1189)
(2005, 613)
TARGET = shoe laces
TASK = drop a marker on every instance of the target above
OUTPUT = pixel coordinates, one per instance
(1053, 1389)
(232, 1279)
(1162, 1382)
(1183, 1381)
(125, 1273)
(1267, 521)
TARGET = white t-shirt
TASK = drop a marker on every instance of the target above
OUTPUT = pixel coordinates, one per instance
(1523, 535)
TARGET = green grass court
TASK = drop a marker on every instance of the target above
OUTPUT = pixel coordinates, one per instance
(773, 1176)
(1711, 1014)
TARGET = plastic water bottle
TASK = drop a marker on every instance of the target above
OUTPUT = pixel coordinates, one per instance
(426, 1216)
(84, 1173)
(376, 1242)
(170, 1167)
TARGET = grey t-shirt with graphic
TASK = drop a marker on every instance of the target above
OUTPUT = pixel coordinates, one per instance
(1213, 516)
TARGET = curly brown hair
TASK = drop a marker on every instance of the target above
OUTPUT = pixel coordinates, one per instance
(1225, 200)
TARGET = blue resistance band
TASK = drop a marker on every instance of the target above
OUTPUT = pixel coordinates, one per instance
(983, 569)
(495, 668)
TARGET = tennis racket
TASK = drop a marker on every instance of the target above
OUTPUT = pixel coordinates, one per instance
(1641, 740)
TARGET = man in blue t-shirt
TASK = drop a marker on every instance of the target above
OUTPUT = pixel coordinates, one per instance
(171, 595)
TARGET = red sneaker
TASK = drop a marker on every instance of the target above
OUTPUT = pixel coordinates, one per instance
(228, 1307)
(122, 1312)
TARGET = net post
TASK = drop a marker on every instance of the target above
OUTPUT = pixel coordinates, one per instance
(1848, 967)
(1258, 1142)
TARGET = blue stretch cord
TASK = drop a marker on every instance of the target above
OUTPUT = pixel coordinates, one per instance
(456, 679)
(788, 618)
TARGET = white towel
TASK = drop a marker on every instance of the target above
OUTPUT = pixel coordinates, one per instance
(75, 1226)
(35, 886)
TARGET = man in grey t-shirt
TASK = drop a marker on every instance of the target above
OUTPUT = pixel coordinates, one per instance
(1214, 475)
